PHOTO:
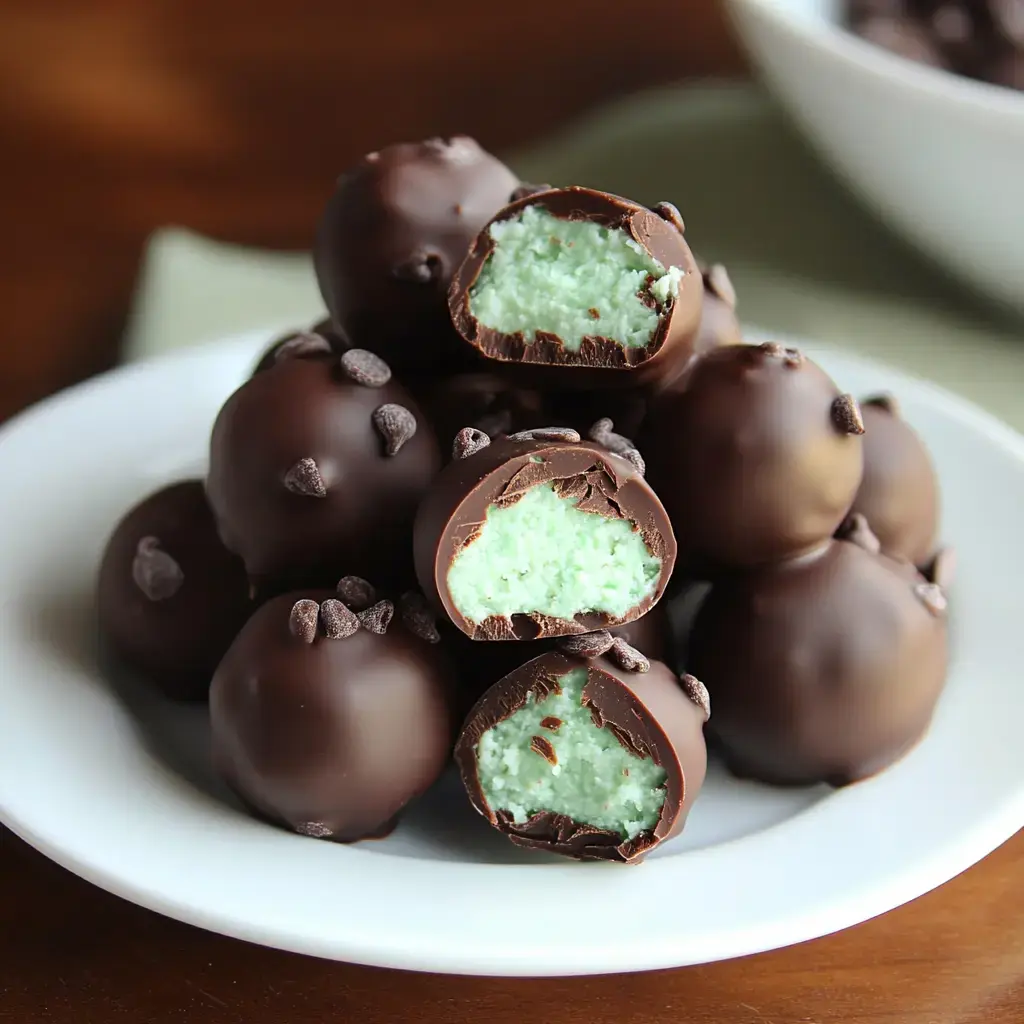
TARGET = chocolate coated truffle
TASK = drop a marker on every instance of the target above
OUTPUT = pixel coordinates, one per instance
(822, 669)
(718, 323)
(594, 754)
(541, 534)
(170, 597)
(757, 456)
(899, 494)
(581, 288)
(398, 225)
(330, 721)
(317, 466)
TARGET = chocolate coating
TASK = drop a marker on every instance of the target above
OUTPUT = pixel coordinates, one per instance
(719, 325)
(821, 669)
(329, 737)
(899, 494)
(300, 479)
(600, 362)
(398, 225)
(455, 508)
(757, 457)
(303, 343)
(649, 713)
(170, 597)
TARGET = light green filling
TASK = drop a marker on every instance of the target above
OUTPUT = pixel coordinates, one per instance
(544, 555)
(596, 781)
(554, 275)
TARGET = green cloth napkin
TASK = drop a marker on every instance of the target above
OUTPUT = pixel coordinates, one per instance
(805, 258)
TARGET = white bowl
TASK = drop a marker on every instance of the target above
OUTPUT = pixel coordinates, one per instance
(940, 157)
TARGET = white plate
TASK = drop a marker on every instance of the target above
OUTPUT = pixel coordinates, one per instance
(115, 784)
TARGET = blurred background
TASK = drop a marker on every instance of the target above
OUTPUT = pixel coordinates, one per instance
(232, 118)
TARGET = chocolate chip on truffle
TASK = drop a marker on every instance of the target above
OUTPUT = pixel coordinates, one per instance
(603, 433)
(365, 368)
(469, 441)
(636, 739)
(356, 592)
(847, 416)
(304, 478)
(669, 212)
(339, 621)
(418, 618)
(395, 424)
(155, 572)
(565, 434)
(377, 617)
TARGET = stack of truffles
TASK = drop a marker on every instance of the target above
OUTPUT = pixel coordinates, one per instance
(448, 521)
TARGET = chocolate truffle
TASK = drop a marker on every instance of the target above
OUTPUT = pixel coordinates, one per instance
(170, 597)
(317, 466)
(320, 338)
(330, 721)
(593, 753)
(757, 457)
(541, 534)
(398, 225)
(899, 494)
(825, 668)
(581, 288)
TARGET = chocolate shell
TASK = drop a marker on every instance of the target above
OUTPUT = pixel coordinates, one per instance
(170, 597)
(651, 714)
(485, 476)
(600, 361)
(757, 456)
(317, 466)
(329, 721)
(826, 668)
(398, 225)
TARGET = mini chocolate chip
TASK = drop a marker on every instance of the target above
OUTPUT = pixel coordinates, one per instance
(377, 618)
(587, 645)
(932, 597)
(303, 619)
(670, 212)
(314, 829)
(718, 282)
(628, 658)
(420, 268)
(395, 424)
(856, 530)
(541, 745)
(773, 349)
(625, 771)
(551, 722)
(155, 572)
(698, 693)
(602, 433)
(846, 415)
(302, 345)
(594, 312)
(304, 478)
(365, 368)
(884, 401)
(339, 622)
(468, 441)
(547, 434)
(417, 617)
(356, 592)
(525, 189)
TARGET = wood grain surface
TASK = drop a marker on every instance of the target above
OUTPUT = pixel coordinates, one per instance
(232, 118)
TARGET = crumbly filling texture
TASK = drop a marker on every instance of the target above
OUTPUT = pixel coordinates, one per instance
(574, 279)
(550, 756)
(542, 555)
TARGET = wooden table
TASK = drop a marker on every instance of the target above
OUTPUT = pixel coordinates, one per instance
(232, 117)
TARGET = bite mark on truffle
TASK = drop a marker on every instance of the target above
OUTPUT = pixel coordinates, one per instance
(378, 617)
(339, 621)
(846, 415)
(395, 424)
(365, 368)
(155, 572)
(468, 441)
(356, 592)
(302, 621)
(304, 479)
